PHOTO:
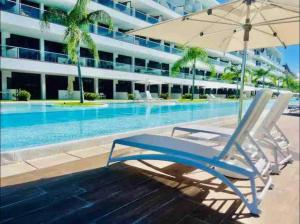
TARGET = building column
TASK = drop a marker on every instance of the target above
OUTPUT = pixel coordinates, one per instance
(146, 63)
(17, 7)
(43, 86)
(96, 85)
(115, 82)
(42, 49)
(95, 28)
(114, 30)
(170, 90)
(115, 56)
(4, 37)
(159, 89)
(132, 87)
(5, 75)
(132, 64)
(181, 89)
(42, 9)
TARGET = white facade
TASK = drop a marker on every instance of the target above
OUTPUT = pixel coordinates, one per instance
(28, 49)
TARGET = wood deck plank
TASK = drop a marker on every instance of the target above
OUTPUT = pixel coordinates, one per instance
(109, 203)
(51, 212)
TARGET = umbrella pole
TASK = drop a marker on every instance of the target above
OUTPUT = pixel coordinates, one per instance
(247, 28)
(242, 80)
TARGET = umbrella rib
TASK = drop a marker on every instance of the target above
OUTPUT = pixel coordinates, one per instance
(281, 42)
(258, 10)
(278, 38)
(231, 20)
(281, 7)
(225, 15)
(215, 22)
(278, 21)
(229, 38)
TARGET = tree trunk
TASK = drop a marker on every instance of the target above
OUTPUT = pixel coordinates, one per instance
(263, 82)
(193, 86)
(80, 78)
(237, 90)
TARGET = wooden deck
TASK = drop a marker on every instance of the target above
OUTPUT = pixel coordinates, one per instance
(143, 192)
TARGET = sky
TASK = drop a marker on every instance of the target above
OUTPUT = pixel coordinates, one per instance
(290, 55)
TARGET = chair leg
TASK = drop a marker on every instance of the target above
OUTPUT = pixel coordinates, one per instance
(110, 154)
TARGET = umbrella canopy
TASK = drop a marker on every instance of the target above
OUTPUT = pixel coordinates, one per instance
(235, 26)
(271, 23)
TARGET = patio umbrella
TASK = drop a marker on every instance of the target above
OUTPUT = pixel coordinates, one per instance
(235, 26)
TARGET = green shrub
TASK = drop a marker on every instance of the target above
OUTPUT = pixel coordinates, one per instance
(164, 96)
(202, 96)
(131, 96)
(91, 96)
(187, 96)
(232, 97)
(22, 95)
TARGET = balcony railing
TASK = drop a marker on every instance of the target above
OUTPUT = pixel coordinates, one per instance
(34, 12)
(47, 56)
(128, 10)
(33, 54)
(166, 4)
(216, 62)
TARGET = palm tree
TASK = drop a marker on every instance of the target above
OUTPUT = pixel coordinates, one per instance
(260, 73)
(291, 83)
(275, 80)
(191, 56)
(77, 21)
(233, 74)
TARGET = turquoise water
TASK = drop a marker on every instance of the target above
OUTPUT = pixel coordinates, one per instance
(29, 125)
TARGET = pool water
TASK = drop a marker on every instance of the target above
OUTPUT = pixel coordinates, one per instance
(28, 125)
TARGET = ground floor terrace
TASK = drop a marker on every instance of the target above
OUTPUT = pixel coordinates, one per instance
(75, 187)
(55, 86)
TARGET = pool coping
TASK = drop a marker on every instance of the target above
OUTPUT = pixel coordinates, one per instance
(51, 149)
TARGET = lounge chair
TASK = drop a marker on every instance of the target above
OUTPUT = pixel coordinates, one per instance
(137, 95)
(148, 95)
(293, 108)
(211, 160)
(212, 97)
(265, 132)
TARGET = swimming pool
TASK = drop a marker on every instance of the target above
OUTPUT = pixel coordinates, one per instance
(29, 125)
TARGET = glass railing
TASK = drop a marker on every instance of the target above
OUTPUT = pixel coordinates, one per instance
(57, 58)
(166, 4)
(216, 62)
(128, 10)
(32, 54)
(35, 13)
(21, 9)
(22, 53)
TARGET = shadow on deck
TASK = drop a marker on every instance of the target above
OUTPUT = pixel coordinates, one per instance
(120, 194)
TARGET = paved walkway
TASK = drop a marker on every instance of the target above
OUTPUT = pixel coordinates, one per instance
(81, 191)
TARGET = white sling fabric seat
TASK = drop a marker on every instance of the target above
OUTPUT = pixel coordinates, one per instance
(207, 158)
(265, 132)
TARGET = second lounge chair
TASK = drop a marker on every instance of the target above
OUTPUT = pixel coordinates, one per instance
(209, 159)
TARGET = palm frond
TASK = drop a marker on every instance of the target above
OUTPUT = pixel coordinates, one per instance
(54, 15)
(99, 16)
(73, 38)
(79, 11)
(191, 55)
(87, 39)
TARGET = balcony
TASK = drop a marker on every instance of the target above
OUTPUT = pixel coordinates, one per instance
(36, 55)
(32, 54)
(25, 10)
(128, 10)
(166, 4)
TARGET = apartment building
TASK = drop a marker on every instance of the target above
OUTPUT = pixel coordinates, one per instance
(34, 59)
